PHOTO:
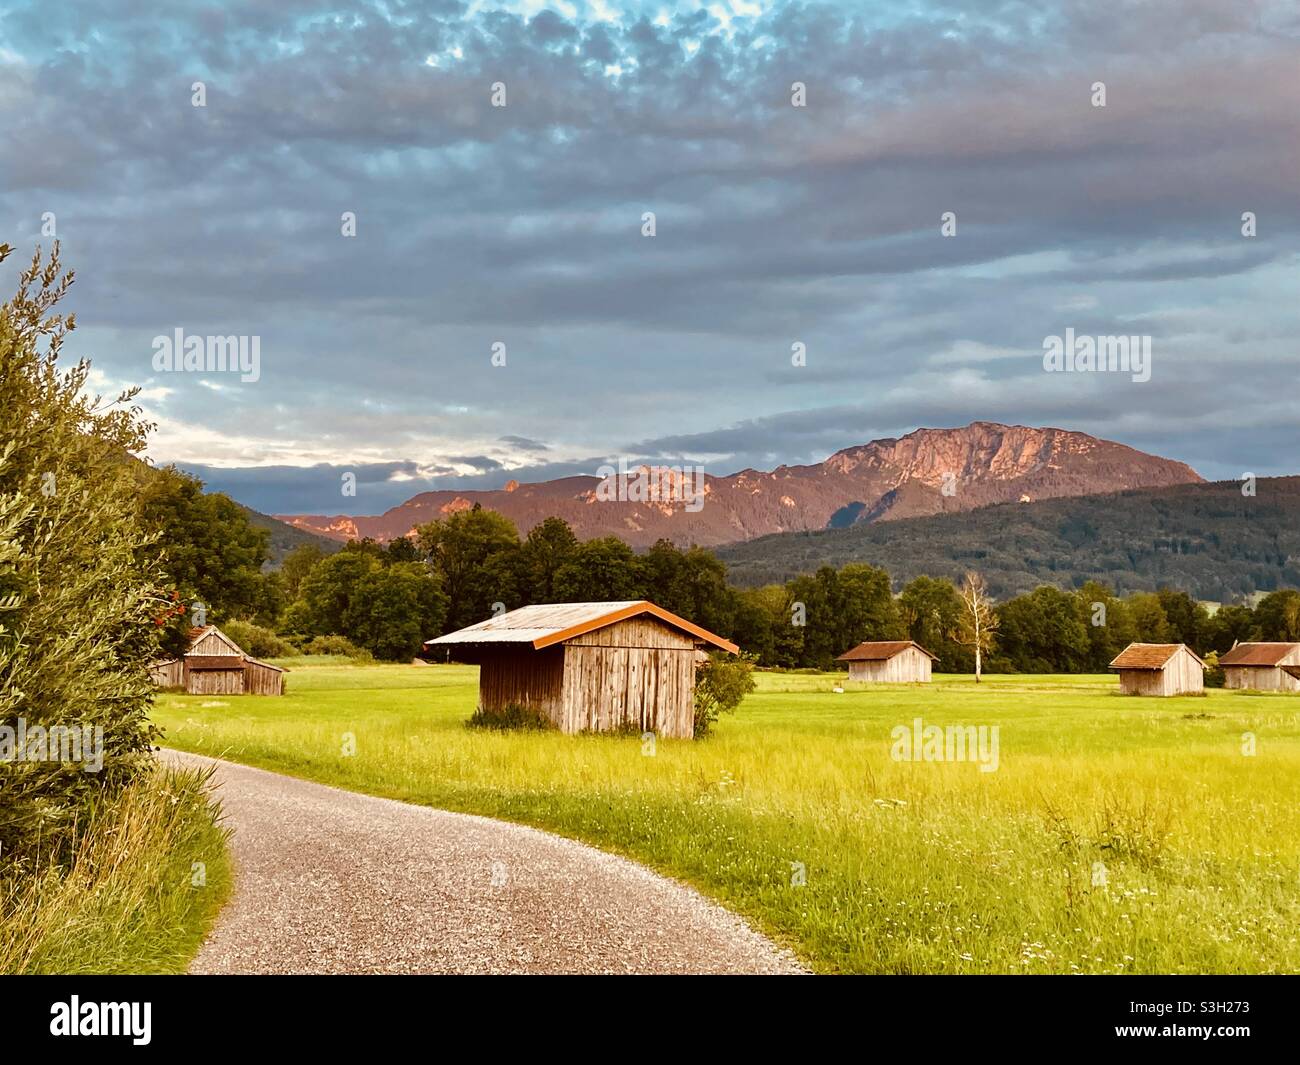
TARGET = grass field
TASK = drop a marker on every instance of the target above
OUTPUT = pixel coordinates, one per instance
(1118, 834)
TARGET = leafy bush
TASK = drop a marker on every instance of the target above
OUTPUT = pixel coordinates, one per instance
(257, 640)
(81, 580)
(337, 646)
(511, 718)
(720, 685)
(1214, 674)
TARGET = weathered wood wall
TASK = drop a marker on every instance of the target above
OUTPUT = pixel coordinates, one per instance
(168, 674)
(261, 679)
(1182, 675)
(638, 673)
(909, 666)
(216, 681)
(213, 644)
(1263, 678)
(649, 688)
(522, 676)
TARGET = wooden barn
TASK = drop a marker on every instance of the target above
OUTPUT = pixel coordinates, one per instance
(1268, 667)
(1159, 669)
(889, 662)
(215, 665)
(589, 666)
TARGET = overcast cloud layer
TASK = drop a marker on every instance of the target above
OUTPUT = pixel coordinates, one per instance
(775, 225)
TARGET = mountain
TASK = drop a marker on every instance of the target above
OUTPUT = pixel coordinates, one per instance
(928, 471)
(1206, 539)
(283, 537)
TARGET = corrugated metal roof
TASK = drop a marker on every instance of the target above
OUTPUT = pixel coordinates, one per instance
(1149, 655)
(879, 650)
(1257, 654)
(546, 624)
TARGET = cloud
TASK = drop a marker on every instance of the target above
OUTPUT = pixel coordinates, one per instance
(479, 226)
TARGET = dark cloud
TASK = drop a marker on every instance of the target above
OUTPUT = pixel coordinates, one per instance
(479, 225)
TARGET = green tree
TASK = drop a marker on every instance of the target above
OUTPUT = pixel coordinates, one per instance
(1277, 616)
(1188, 619)
(1150, 625)
(328, 593)
(296, 565)
(81, 588)
(548, 546)
(1043, 632)
(212, 553)
(1108, 622)
(931, 610)
(473, 552)
(1230, 625)
(600, 570)
(394, 610)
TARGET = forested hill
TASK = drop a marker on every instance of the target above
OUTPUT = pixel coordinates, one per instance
(1208, 539)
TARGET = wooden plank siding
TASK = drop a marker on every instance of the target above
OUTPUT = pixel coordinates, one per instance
(649, 688)
(261, 679)
(216, 681)
(909, 666)
(1181, 675)
(1264, 678)
(522, 676)
(636, 673)
(168, 674)
(214, 642)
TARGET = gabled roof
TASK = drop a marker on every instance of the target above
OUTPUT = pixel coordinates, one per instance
(546, 624)
(1258, 654)
(1150, 655)
(197, 634)
(879, 650)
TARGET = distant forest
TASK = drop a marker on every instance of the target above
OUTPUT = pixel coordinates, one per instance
(1206, 539)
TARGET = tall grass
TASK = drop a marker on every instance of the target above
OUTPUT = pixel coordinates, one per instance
(1118, 835)
(130, 900)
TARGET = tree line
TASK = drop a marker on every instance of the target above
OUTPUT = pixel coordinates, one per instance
(386, 599)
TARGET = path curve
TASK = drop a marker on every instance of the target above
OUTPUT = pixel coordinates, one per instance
(332, 881)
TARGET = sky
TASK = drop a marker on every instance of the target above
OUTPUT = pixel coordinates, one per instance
(784, 222)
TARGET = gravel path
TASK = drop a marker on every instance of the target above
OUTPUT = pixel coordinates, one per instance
(330, 881)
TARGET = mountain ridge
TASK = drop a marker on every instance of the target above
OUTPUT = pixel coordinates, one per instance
(927, 471)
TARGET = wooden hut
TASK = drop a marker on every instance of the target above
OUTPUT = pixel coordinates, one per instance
(889, 662)
(589, 666)
(1268, 667)
(215, 665)
(1159, 669)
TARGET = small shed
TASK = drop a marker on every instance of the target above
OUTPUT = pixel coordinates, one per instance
(889, 662)
(589, 666)
(1262, 667)
(216, 665)
(1159, 669)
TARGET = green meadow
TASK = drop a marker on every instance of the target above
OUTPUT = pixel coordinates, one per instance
(1117, 834)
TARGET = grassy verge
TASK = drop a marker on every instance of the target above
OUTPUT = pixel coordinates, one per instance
(148, 876)
(1117, 835)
